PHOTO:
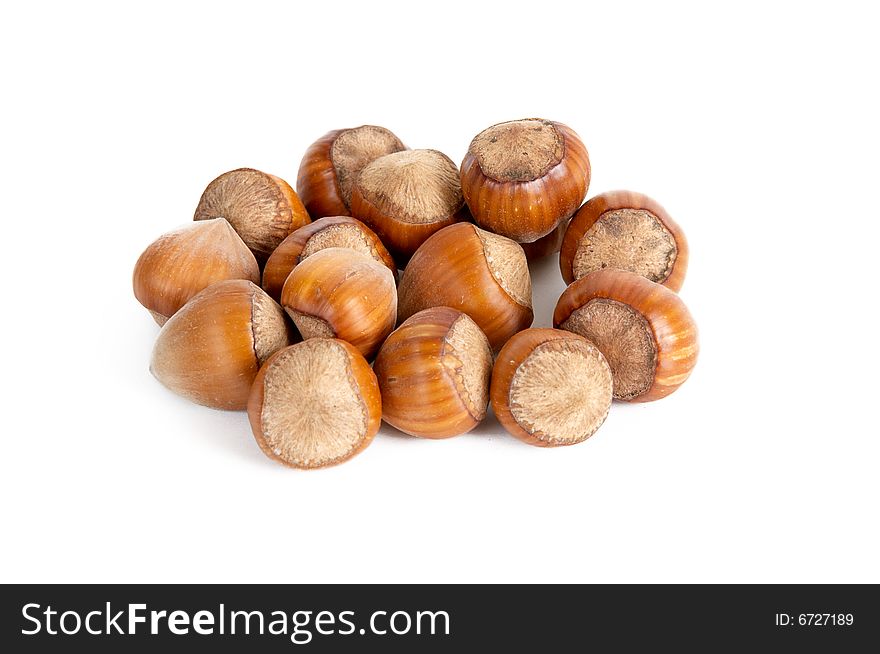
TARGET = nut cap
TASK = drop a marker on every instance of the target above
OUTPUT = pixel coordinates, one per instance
(644, 330)
(262, 208)
(550, 387)
(625, 230)
(522, 178)
(315, 404)
(333, 162)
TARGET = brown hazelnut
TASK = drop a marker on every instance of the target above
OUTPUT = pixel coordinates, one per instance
(262, 208)
(433, 373)
(210, 350)
(522, 178)
(624, 230)
(407, 196)
(550, 387)
(181, 263)
(315, 404)
(341, 293)
(333, 162)
(644, 330)
(330, 232)
(482, 274)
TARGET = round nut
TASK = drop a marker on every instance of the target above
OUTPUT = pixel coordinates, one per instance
(474, 271)
(551, 387)
(644, 330)
(522, 178)
(315, 404)
(433, 373)
(330, 232)
(628, 231)
(333, 162)
(340, 293)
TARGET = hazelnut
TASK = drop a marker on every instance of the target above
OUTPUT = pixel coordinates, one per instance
(315, 404)
(333, 162)
(262, 208)
(330, 232)
(522, 178)
(181, 263)
(210, 350)
(624, 230)
(341, 293)
(550, 387)
(644, 330)
(433, 373)
(482, 274)
(407, 196)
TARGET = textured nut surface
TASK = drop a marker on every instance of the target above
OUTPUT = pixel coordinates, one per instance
(551, 387)
(627, 231)
(643, 328)
(332, 163)
(262, 208)
(315, 404)
(523, 178)
(408, 196)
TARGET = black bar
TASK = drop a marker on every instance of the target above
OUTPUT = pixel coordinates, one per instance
(541, 618)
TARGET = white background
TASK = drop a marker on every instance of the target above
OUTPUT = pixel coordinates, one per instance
(755, 126)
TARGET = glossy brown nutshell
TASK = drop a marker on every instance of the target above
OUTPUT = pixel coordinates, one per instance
(315, 404)
(210, 350)
(181, 263)
(626, 230)
(551, 387)
(644, 330)
(433, 373)
(262, 208)
(474, 271)
(407, 196)
(340, 293)
(522, 178)
(333, 162)
(330, 232)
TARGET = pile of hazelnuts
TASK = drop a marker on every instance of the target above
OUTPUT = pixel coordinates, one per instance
(277, 301)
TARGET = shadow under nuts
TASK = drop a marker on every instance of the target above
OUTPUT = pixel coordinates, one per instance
(315, 404)
(262, 208)
(330, 232)
(433, 374)
(211, 350)
(181, 263)
(644, 330)
(546, 245)
(474, 271)
(407, 196)
(522, 178)
(340, 293)
(624, 230)
(332, 163)
(551, 387)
